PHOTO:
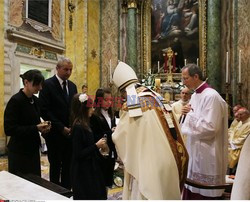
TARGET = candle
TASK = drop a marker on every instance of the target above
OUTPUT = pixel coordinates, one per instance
(185, 62)
(110, 71)
(158, 83)
(158, 64)
(227, 70)
(239, 81)
(197, 61)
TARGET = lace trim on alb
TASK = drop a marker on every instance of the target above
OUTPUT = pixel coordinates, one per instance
(208, 179)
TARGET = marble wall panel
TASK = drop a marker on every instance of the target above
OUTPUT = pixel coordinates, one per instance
(15, 12)
(109, 38)
(244, 45)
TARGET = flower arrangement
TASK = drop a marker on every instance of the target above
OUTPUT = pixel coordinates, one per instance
(83, 97)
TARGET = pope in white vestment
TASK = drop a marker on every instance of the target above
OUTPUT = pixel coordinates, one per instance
(154, 161)
(205, 126)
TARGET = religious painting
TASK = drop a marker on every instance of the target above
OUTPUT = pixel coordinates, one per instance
(175, 28)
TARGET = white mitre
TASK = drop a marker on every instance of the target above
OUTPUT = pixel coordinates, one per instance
(124, 77)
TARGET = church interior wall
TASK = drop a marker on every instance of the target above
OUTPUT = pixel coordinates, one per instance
(109, 39)
(235, 31)
(76, 41)
(244, 45)
(93, 52)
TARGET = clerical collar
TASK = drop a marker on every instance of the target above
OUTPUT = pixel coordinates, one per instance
(202, 87)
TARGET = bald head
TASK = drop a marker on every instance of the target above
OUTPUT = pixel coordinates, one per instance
(243, 114)
(236, 108)
(185, 94)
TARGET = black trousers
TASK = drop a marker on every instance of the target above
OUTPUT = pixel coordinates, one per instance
(59, 156)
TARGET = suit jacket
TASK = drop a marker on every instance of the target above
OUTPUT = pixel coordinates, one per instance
(100, 126)
(55, 107)
(20, 120)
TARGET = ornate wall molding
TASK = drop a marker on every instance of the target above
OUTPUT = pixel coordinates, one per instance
(145, 35)
(203, 35)
(29, 37)
(16, 12)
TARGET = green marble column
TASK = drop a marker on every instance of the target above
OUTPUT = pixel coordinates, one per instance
(213, 43)
(131, 32)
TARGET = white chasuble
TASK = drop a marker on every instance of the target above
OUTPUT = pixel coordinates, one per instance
(150, 167)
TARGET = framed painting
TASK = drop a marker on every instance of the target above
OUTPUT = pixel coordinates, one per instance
(176, 24)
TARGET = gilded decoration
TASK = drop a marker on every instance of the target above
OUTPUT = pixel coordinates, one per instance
(71, 7)
(93, 53)
(203, 35)
(15, 12)
(146, 34)
(37, 51)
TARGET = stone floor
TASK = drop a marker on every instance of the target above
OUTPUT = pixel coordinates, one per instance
(114, 193)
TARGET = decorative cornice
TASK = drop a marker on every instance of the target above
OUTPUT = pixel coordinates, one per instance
(30, 38)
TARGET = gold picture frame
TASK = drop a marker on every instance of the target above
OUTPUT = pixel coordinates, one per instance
(146, 35)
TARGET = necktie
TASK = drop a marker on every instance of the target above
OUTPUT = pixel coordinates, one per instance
(65, 89)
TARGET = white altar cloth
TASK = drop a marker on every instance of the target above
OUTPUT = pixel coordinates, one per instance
(13, 187)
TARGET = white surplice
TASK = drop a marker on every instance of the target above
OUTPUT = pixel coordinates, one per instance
(206, 129)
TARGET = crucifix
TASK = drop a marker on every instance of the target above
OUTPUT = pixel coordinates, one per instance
(169, 65)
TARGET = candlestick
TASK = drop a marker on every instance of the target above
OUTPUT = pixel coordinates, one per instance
(158, 64)
(227, 99)
(158, 83)
(227, 70)
(197, 61)
(110, 71)
(239, 93)
(239, 81)
(185, 62)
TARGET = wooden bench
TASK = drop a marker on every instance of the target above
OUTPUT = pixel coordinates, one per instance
(227, 186)
(47, 184)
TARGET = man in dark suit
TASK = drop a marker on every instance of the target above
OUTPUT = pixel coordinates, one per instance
(55, 99)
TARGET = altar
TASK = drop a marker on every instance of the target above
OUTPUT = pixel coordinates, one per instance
(13, 187)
